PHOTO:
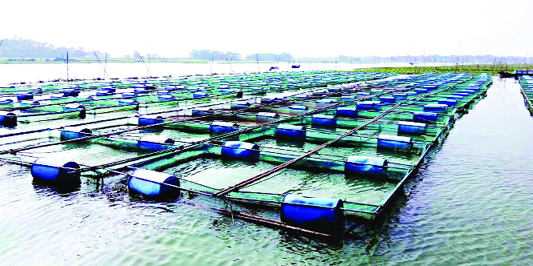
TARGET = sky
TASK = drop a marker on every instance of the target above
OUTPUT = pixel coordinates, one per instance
(302, 28)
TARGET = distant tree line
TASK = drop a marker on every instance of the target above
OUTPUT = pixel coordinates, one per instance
(421, 60)
(283, 57)
(212, 55)
(20, 48)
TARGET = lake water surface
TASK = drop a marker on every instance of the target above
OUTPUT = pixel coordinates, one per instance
(469, 204)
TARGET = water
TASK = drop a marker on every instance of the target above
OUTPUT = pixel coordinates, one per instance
(470, 204)
(35, 72)
(473, 202)
(231, 172)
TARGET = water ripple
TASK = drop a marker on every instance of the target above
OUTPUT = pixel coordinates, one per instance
(470, 204)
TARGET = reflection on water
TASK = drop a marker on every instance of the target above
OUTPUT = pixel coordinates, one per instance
(472, 203)
(469, 203)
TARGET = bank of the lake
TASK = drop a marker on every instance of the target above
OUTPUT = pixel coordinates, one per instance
(492, 69)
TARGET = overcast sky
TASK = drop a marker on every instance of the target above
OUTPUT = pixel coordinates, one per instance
(302, 28)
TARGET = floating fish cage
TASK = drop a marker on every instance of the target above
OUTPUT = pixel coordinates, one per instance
(320, 147)
(105, 99)
(526, 84)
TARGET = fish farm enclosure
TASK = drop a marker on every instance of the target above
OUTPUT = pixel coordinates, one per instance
(312, 151)
(526, 82)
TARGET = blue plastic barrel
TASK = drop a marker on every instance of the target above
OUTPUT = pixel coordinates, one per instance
(240, 150)
(73, 107)
(145, 120)
(286, 131)
(153, 184)
(75, 133)
(326, 102)
(367, 105)
(71, 92)
(412, 128)
(165, 97)
(128, 102)
(387, 99)
(435, 107)
(455, 97)
(103, 93)
(270, 99)
(319, 93)
(365, 165)
(110, 90)
(394, 142)
(324, 120)
(263, 116)
(5, 101)
(155, 142)
(27, 103)
(448, 102)
(128, 95)
(8, 119)
(347, 111)
(226, 91)
(319, 214)
(468, 91)
(424, 116)
(298, 107)
(301, 96)
(24, 96)
(223, 127)
(198, 95)
(57, 96)
(347, 97)
(139, 89)
(399, 96)
(201, 111)
(239, 105)
(57, 171)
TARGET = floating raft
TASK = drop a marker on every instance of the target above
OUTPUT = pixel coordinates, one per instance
(526, 84)
(77, 100)
(517, 73)
(319, 146)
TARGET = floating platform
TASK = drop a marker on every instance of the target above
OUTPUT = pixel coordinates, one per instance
(526, 84)
(320, 147)
(517, 73)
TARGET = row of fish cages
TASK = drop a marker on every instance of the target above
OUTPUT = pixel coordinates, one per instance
(28, 103)
(526, 84)
(310, 160)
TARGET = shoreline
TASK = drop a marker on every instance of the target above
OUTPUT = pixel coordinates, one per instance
(472, 69)
(492, 69)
